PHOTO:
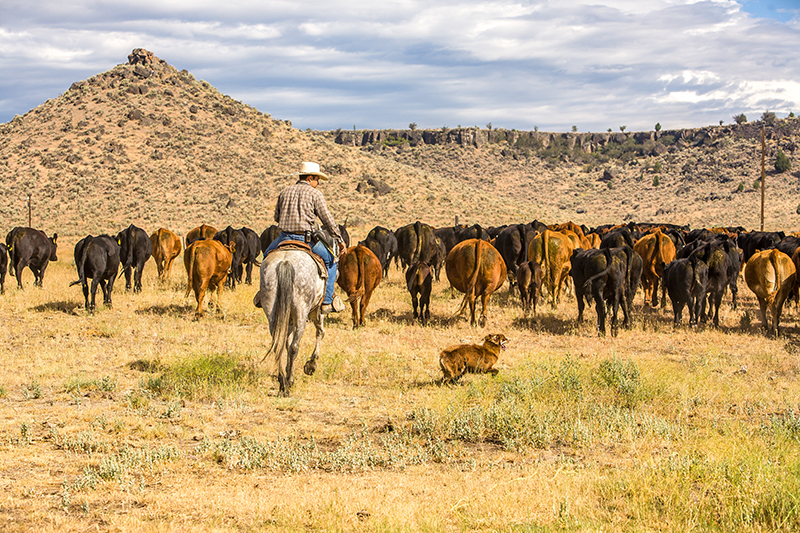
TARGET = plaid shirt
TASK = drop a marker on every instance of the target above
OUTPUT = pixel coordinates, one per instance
(298, 207)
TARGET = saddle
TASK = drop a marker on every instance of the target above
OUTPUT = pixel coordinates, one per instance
(304, 247)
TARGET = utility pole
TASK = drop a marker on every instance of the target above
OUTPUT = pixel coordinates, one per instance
(763, 173)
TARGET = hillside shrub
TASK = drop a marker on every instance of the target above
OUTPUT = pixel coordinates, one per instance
(782, 162)
(656, 181)
(768, 117)
(658, 126)
(741, 118)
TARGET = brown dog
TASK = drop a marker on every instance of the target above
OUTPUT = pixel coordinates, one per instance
(457, 360)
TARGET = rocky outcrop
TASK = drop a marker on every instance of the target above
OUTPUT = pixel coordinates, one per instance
(653, 143)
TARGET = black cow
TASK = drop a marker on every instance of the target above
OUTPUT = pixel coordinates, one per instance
(97, 258)
(448, 237)
(418, 282)
(416, 242)
(686, 281)
(602, 274)
(758, 240)
(376, 248)
(512, 243)
(721, 239)
(345, 234)
(475, 231)
(616, 238)
(226, 237)
(789, 245)
(269, 235)
(3, 267)
(387, 241)
(677, 237)
(721, 258)
(252, 247)
(702, 234)
(135, 248)
(32, 248)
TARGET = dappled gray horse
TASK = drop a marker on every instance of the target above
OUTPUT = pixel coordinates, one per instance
(290, 293)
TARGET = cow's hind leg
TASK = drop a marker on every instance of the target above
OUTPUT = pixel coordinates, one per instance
(137, 278)
(128, 273)
(95, 282)
(484, 299)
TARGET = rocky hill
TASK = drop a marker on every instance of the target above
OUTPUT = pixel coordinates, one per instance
(145, 143)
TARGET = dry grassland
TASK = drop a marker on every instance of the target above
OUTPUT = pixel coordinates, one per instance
(138, 418)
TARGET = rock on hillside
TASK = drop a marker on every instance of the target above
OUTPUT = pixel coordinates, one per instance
(145, 143)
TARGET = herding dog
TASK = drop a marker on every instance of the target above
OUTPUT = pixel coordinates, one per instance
(457, 360)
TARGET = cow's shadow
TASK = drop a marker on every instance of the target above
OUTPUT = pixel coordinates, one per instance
(406, 318)
(61, 306)
(164, 310)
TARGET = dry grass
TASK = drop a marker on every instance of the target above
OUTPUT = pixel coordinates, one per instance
(140, 418)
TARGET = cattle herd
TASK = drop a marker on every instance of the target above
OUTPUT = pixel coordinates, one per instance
(604, 265)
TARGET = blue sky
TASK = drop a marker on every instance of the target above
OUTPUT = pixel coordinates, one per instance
(514, 64)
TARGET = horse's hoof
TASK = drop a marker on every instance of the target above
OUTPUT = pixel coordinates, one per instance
(309, 368)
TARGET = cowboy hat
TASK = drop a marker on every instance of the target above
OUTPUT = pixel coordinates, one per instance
(310, 169)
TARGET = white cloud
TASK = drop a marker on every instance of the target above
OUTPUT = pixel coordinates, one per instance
(513, 63)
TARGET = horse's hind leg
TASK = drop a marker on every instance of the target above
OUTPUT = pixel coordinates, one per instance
(311, 365)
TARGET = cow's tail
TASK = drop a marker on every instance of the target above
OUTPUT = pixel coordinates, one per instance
(469, 293)
(693, 259)
(607, 252)
(81, 263)
(189, 270)
(773, 259)
(418, 245)
(657, 249)
(547, 271)
(284, 295)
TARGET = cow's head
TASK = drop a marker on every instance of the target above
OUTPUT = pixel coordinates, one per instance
(53, 246)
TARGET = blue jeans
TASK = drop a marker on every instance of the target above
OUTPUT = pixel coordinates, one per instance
(320, 250)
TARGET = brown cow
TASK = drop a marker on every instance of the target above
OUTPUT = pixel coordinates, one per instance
(418, 281)
(475, 268)
(208, 263)
(569, 226)
(594, 240)
(770, 274)
(360, 272)
(552, 250)
(529, 280)
(200, 232)
(656, 250)
(166, 247)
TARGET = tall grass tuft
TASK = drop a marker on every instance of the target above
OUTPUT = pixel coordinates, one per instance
(204, 377)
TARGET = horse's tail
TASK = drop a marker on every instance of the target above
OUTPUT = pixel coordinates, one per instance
(284, 294)
(469, 293)
(189, 270)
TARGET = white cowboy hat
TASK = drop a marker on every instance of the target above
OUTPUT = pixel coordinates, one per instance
(310, 169)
